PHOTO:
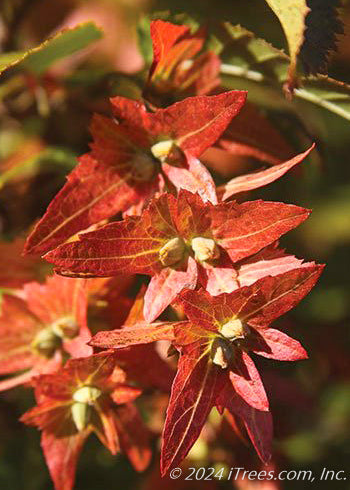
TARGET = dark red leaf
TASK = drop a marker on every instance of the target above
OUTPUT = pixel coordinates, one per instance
(194, 393)
(258, 423)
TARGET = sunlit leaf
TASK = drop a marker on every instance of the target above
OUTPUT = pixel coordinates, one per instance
(61, 45)
(253, 64)
(292, 15)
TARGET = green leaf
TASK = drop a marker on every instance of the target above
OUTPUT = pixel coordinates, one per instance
(10, 59)
(63, 44)
(144, 39)
(52, 156)
(252, 64)
(292, 15)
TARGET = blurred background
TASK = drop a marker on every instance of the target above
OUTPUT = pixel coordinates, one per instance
(44, 123)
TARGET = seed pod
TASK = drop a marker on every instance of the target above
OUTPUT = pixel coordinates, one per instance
(233, 329)
(162, 149)
(46, 342)
(86, 394)
(221, 352)
(167, 151)
(65, 327)
(81, 414)
(205, 249)
(172, 252)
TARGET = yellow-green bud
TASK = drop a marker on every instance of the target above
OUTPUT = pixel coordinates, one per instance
(221, 353)
(87, 394)
(84, 398)
(65, 327)
(168, 152)
(172, 252)
(162, 149)
(46, 342)
(233, 329)
(81, 414)
(205, 249)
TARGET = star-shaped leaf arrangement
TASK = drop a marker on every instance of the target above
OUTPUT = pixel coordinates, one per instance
(132, 156)
(215, 368)
(40, 328)
(181, 242)
(88, 395)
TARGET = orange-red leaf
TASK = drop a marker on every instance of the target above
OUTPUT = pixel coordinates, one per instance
(244, 229)
(247, 383)
(178, 68)
(121, 170)
(165, 286)
(258, 179)
(143, 333)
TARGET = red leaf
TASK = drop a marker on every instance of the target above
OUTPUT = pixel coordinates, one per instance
(243, 229)
(51, 317)
(105, 428)
(165, 286)
(134, 437)
(270, 261)
(258, 179)
(120, 169)
(41, 367)
(125, 394)
(21, 379)
(15, 270)
(247, 382)
(194, 178)
(218, 278)
(145, 245)
(187, 333)
(271, 297)
(251, 134)
(164, 35)
(138, 334)
(93, 192)
(57, 395)
(258, 423)
(194, 393)
(61, 456)
(58, 298)
(18, 327)
(131, 245)
(277, 345)
(193, 124)
(202, 77)
(142, 362)
(97, 370)
(62, 299)
(173, 46)
(258, 304)
(200, 307)
(192, 215)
